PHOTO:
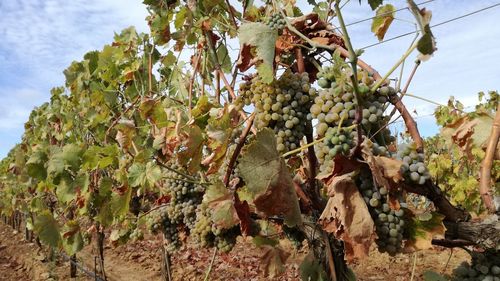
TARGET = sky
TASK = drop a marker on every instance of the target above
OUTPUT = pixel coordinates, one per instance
(40, 38)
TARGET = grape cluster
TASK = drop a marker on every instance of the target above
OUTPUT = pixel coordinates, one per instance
(159, 222)
(136, 235)
(276, 21)
(334, 107)
(185, 196)
(413, 167)
(336, 141)
(208, 235)
(282, 105)
(484, 267)
(390, 224)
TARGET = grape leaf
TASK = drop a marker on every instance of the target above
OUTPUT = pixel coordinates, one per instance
(100, 157)
(386, 171)
(219, 130)
(55, 165)
(72, 238)
(269, 180)
(191, 153)
(47, 229)
(35, 164)
(144, 175)
(151, 109)
(374, 3)
(263, 38)
(72, 156)
(136, 174)
(422, 229)
(347, 217)
(311, 269)
(273, 261)
(220, 200)
(426, 45)
(120, 203)
(382, 20)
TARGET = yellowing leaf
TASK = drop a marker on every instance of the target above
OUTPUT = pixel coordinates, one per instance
(220, 200)
(382, 20)
(347, 217)
(273, 261)
(263, 38)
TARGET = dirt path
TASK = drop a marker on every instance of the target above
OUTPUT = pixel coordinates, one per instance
(20, 261)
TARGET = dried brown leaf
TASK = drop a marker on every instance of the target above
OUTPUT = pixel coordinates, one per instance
(347, 217)
(273, 261)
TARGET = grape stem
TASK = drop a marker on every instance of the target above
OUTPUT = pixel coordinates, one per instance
(229, 88)
(487, 164)
(353, 58)
(237, 150)
(207, 275)
(393, 68)
(174, 170)
(297, 150)
(414, 266)
(410, 123)
(191, 81)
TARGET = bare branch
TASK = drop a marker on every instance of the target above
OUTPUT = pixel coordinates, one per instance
(487, 164)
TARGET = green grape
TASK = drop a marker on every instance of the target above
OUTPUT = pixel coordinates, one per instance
(389, 226)
(283, 104)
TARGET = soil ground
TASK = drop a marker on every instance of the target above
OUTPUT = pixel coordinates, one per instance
(21, 260)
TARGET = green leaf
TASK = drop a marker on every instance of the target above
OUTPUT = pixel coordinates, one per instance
(426, 45)
(153, 174)
(422, 229)
(153, 110)
(144, 175)
(47, 229)
(100, 157)
(35, 164)
(382, 20)
(136, 174)
(263, 38)
(72, 238)
(374, 3)
(55, 165)
(71, 154)
(200, 111)
(269, 180)
(312, 270)
(120, 203)
(224, 58)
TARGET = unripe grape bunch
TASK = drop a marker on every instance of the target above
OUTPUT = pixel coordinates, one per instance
(390, 224)
(483, 267)
(282, 105)
(335, 111)
(413, 167)
(276, 21)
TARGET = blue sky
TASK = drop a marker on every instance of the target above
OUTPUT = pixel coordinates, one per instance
(40, 38)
